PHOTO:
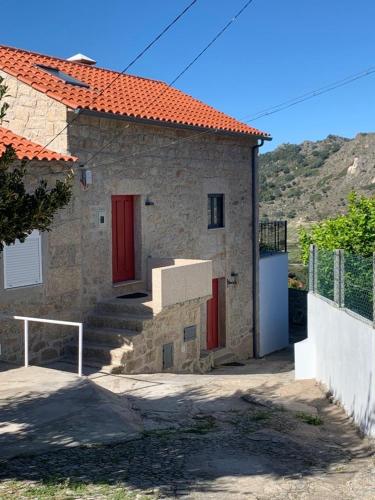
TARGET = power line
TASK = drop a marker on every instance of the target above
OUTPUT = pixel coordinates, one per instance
(310, 95)
(263, 113)
(186, 68)
(137, 57)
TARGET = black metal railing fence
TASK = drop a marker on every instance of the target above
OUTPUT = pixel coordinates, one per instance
(273, 237)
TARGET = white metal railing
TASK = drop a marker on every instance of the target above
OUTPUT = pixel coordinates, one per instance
(26, 321)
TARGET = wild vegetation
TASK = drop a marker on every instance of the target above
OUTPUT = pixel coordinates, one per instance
(310, 182)
(353, 232)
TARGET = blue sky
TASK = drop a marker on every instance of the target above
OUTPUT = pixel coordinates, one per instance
(275, 51)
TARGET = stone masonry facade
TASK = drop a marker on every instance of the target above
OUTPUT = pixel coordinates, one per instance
(174, 169)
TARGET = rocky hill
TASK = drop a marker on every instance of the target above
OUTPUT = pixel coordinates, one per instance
(311, 181)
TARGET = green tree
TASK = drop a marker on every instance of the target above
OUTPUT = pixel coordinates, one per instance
(353, 232)
(22, 211)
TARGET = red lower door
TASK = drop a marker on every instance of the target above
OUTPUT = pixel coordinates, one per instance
(123, 238)
(213, 317)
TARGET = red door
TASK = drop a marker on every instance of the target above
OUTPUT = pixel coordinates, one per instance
(123, 238)
(213, 317)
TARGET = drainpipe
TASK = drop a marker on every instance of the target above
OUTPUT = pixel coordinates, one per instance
(255, 243)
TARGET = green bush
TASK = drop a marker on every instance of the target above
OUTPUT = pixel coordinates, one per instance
(353, 232)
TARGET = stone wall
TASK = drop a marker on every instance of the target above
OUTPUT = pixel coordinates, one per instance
(174, 169)
(168, 327)
(34, 115)
(58, 297)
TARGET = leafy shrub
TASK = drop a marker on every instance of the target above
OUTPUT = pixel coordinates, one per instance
(353, 232)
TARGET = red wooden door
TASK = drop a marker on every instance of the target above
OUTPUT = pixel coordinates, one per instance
(123, 238)
(213, 317)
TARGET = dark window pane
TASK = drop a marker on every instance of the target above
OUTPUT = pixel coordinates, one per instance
(63, 76)
(215, 210)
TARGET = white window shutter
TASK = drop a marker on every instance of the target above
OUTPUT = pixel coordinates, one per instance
(23, 262)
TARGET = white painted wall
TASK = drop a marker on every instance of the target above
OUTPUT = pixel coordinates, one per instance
(273, 303)
(340, 352)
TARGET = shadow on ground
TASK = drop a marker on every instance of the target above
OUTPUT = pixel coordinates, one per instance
(191, 440)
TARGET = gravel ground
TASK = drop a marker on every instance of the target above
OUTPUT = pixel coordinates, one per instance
(261, 453)
(245, 432)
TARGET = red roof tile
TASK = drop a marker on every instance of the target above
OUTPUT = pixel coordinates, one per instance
(129, 95)
(27, 150)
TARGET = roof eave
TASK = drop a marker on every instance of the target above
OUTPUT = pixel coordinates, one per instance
(170, 124)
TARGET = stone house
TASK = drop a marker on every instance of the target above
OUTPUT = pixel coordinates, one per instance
(157, 252)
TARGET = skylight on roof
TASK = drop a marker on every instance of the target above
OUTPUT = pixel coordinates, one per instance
(63, 76)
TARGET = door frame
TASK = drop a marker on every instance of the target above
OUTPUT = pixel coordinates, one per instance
(218, 289)
(126, 275)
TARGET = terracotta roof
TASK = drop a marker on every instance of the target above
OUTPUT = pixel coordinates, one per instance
(129, 95)
(27, 150)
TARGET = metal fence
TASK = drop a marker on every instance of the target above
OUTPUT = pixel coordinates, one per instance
(344, 278)
(273, 237)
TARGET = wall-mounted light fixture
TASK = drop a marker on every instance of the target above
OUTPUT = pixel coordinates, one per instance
(86, 178)
(148, 202)
(233, 281)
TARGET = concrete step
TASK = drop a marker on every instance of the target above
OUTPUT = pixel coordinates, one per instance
(99, 353)
(222, 356)
(142, 306)
(128, 287)
(119, 321)
(110, 337)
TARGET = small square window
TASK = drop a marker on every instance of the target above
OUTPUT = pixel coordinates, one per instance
(215, 211)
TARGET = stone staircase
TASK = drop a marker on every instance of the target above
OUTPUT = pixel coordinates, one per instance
(119, 336)
(113, 336)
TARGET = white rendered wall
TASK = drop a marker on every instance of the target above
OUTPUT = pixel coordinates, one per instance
(340, 352)
(273, 303)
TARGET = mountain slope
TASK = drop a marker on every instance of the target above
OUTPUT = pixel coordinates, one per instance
(311, 181)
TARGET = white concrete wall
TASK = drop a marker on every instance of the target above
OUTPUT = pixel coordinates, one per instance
(273, 303)
(340, 352)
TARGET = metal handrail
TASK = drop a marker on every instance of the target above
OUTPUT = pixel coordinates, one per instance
(26, 321)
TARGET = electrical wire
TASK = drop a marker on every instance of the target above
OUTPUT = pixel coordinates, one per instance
(263, 113)
(137, 57)
(186, 68)
(310, 95)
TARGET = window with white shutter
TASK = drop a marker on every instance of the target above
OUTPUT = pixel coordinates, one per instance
(23, 262)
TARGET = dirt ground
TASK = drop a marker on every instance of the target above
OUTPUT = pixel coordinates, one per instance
(240, 432)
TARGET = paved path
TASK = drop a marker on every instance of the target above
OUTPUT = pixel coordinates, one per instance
(241, 432)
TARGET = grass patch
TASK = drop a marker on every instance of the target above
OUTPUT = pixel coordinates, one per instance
(67, 489)
(309, 419)
(260, 415)
(204, 425)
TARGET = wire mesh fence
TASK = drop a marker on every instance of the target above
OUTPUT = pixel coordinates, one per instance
(325, 280)
(344, 278)
(358, 285)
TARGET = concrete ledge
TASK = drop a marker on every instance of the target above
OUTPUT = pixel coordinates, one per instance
(184, 280)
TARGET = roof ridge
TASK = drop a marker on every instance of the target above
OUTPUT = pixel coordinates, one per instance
(16, 49)
(119, 93)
